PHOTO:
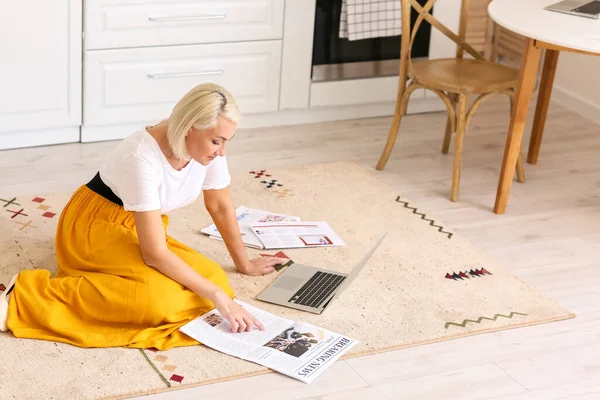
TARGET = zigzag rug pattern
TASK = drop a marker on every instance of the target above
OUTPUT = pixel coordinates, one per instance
(476, 273)
(478, 321)
(424, 217)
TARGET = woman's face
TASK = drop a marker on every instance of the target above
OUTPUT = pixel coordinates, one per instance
(207, 144)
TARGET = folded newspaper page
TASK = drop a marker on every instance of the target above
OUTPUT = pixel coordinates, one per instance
(247, 216)
(299, 350)
(285, 235)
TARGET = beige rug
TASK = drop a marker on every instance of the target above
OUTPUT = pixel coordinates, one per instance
(424, 284)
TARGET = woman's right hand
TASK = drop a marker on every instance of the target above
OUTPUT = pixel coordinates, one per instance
(239, 319)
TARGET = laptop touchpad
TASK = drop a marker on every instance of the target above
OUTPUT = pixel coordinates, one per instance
(288, 282)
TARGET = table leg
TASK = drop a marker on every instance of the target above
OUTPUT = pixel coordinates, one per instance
(527, 77)
(548, 72)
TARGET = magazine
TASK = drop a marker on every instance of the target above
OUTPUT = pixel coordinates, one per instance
(247, 216)
(299, 350)
(285, 235)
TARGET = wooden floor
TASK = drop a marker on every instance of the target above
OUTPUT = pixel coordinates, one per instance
(550, 236)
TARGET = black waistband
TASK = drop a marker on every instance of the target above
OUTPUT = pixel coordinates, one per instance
(98, 186)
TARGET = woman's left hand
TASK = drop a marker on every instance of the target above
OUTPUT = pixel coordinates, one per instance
(262, 265)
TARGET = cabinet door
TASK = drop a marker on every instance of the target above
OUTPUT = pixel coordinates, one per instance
(40, 64)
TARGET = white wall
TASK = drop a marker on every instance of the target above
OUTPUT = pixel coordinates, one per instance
(577, 84)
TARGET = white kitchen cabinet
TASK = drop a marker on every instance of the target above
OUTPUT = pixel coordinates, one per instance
(140, 23)
(131, 85)
(141, 56)
(131, 60)
(40, 72)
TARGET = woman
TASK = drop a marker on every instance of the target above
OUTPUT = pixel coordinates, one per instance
(121, 281)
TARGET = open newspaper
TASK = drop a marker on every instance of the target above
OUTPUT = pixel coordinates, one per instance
(247, 216)
(299, 350)
(286, 235)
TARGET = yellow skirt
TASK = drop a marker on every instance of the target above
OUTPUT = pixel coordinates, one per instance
(104, 295)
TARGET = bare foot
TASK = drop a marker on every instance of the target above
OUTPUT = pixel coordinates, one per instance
(4, 297)
(3, 312)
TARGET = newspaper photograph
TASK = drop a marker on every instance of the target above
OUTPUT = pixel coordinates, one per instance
(302, 351)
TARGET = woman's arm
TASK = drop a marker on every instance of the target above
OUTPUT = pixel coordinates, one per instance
(222, 211)
(156, 254)
(219, 205)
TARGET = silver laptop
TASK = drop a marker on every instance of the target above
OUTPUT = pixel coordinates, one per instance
(582, 8)
(309, 288)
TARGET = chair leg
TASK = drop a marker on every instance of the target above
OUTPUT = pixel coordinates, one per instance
(393, 133)
(398, 111)
(461, 118)
(448, 134)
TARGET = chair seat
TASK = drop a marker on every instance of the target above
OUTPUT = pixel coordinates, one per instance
(464, 75)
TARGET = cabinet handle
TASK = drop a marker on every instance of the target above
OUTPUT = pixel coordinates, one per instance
(187, 18)
(182, 74)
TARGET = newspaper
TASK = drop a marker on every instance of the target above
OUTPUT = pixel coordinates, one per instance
(285, 235)
(247, 216)
(299, 350)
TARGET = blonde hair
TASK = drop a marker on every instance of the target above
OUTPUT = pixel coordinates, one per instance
(199, 108)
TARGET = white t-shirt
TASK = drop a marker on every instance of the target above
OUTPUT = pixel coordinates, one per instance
(138, 172)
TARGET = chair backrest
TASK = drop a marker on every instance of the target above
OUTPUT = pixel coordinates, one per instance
(424, 14)
(508, 47)
(480, 30)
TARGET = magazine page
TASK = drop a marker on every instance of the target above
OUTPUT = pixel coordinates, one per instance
(286, 235)
(247, 216)
(213, 330)
(302, 351)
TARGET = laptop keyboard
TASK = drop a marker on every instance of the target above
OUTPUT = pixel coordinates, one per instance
(314, 292)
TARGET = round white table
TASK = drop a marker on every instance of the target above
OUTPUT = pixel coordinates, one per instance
(543, 29)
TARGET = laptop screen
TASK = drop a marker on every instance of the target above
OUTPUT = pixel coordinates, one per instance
(592, 8)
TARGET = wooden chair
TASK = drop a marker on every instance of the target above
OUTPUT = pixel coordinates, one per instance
(452, 79)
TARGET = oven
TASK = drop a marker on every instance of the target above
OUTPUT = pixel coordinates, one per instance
(336, 58)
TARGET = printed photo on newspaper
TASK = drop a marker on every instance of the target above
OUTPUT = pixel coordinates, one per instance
(299, 350)
(285, 235)
(247, 216)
